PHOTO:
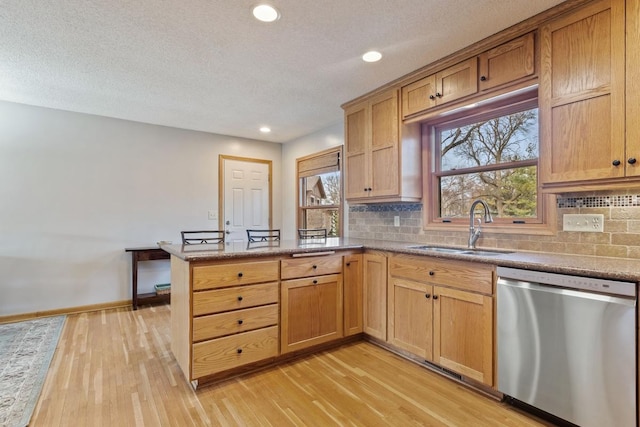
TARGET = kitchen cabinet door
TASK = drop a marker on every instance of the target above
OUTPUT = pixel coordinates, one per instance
(582, 105)
(357, 151)
(384, 173)
(507, 63)
(380, 163)
(463, 333)
(410, 325)
(352, 290)
(633, 89)
(375, 295)
(445, 86)
(311, 311)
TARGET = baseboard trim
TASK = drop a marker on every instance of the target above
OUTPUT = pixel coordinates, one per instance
(69, 310)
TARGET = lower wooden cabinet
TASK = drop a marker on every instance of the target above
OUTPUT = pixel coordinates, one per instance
(311, 311)
(442, 310)
(463, 333)
(411, 316)
(234, 350)
(375, 295)
(352, 294)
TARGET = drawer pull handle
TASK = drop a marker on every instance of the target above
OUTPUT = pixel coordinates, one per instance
(239, 351)
(240, 274)
(240, 298)
(315, 282)
(431, 273)
(240, 322)
(435, 297)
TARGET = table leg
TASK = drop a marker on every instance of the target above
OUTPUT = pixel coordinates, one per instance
(134, 280)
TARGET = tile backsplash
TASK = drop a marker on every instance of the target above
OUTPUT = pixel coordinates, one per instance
(620, 239)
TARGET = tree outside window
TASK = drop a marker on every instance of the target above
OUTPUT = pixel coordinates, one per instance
(491, 156)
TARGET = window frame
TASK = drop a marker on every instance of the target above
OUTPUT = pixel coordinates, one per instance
(301, 208)
(543, 223)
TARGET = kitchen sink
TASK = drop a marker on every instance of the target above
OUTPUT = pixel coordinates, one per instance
(461, 251)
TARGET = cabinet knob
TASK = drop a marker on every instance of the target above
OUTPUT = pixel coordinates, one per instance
(431, 97)
(364, 189)
(631, 160)
(315, 282)
(435, 297)
(427, 295)
(431, 273)
(240, 274)
(616, 162)
(438, 94)
(314, 266)
(369, 189)
(240, 298)
(240, 322)
(348, 264)
(483, 78)
(239, 351)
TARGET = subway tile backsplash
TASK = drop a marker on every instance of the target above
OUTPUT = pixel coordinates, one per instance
(620, 239)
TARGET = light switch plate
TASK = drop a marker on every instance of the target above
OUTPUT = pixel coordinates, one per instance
(589, 223)
(396, 221)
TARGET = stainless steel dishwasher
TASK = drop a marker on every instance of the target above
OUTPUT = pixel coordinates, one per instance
(567, 345)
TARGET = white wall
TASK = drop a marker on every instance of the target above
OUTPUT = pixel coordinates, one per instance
(313, 143)
(76, 189)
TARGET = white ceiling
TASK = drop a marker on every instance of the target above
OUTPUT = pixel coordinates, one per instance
(208, 65)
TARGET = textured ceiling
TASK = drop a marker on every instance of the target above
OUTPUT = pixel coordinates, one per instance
(208, 65)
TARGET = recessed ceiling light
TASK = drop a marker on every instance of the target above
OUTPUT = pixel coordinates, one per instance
(265, 129)
(266, 13)
(372, 56)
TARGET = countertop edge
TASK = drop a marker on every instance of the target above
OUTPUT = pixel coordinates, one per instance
(580, 265)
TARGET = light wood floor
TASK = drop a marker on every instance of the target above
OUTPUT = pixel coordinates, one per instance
(115, 368)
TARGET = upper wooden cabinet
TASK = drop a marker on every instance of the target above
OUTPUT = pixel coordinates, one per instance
(633, 89)
(582, 96)
(507, 63)
(444, 86)
(381, 164)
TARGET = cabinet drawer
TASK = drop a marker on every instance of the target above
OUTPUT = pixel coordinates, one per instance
(232, 322)
(229, 352)
(312, 266)
(457, 274)
(207, 302)
(225, 275)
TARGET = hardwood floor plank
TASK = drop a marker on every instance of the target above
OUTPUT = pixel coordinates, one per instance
(115, 367)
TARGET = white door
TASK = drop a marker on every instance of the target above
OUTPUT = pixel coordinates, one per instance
(246, 198)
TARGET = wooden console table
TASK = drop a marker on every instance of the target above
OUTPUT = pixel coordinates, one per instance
(145, 254)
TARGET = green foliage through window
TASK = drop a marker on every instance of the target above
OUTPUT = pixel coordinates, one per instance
(494, 159)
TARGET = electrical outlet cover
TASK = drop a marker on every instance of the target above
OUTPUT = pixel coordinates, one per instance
(588, 223)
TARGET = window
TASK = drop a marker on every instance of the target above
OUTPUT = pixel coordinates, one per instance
(320, 191)
(489, 153)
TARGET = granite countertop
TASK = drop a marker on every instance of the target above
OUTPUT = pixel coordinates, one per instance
(580, 265)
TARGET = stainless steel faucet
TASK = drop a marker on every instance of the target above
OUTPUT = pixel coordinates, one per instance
(474, 232)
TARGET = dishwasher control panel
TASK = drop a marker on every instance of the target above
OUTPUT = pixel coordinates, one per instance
(615, 287)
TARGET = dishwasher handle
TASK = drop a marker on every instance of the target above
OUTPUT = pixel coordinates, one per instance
(535, 287)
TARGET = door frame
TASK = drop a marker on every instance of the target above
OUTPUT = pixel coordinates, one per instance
(221, 160)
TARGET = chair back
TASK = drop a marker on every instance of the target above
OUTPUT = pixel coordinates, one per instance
(263, 235)
(312, 233)
(202, 237)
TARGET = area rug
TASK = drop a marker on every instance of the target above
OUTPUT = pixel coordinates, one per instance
(26, 350)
